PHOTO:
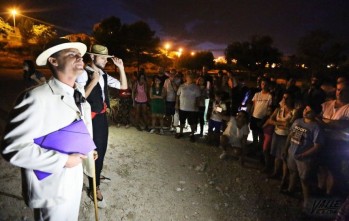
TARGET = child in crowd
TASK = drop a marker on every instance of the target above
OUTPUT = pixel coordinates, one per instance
(157, 104)
(215, 123)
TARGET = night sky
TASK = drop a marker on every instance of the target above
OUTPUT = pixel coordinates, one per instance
(200, 24)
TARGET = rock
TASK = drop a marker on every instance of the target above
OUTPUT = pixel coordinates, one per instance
(216, 206)
(201, 167)
(219, 189)
(178, 189)
(242, 197)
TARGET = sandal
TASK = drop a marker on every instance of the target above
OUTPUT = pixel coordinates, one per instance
(104, 179)
(100, 202)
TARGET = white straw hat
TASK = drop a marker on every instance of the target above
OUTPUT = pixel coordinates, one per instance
(59, 45)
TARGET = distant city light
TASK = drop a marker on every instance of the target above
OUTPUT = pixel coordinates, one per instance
(220, 59)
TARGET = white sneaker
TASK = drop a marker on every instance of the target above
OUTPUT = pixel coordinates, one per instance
(161, 131)
(152, 130)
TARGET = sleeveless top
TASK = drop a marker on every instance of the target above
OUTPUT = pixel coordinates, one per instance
(141, 96)
(283, 117)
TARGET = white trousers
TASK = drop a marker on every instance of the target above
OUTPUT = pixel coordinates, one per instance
(67, 211)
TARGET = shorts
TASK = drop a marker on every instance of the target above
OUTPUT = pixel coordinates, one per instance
(306, 168)
(170, 108)
(191, 116)
(277, 145)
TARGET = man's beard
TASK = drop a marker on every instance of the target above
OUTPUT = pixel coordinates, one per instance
(98, 66)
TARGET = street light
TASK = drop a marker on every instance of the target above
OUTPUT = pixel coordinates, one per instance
(14, 12)
(167, 47)
(180, 50)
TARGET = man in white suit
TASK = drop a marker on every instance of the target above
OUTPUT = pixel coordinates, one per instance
(40, 111)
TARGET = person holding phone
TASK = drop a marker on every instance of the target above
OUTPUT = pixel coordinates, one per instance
(215, 123)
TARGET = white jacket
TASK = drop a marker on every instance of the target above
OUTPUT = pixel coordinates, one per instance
(37, 112)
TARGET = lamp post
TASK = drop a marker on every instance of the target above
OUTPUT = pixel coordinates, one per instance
(180, 51)
(167, 47)
(14, 12)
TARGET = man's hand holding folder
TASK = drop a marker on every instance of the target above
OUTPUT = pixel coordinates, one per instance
(73, 139)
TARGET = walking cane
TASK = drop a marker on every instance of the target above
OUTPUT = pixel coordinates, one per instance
(95, 196)
(95, 191)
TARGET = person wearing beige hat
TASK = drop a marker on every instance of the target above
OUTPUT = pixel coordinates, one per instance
(42, 110)
(96, 83)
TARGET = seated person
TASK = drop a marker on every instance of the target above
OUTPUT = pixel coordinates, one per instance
(234, 137)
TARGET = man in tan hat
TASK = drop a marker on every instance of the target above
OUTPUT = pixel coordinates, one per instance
(96, 83)
(38, 112)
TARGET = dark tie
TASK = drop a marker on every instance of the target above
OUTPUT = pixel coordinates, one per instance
(78, 98)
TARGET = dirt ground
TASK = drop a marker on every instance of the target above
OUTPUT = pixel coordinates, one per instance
(158, 177)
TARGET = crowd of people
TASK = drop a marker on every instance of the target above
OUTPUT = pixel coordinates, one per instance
(299, 133)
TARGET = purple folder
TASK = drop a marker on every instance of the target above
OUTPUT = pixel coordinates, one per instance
(73, 138)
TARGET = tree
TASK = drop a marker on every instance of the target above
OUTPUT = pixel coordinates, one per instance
(318, 48)
(25, 27)
(43, 34)
(253, 55)
(135, 42)
(108, 33)
(239, 53)
(141, 42)
(5, 28)
(263, 52)
(195, 62)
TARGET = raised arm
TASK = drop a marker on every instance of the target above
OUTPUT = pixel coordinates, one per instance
(123, 80)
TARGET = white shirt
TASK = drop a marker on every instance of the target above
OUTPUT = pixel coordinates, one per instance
(330, 112)
(170, 92)
(234, 133)
(69, 91)
(187, 97)
(112, 82)
(261, 103)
